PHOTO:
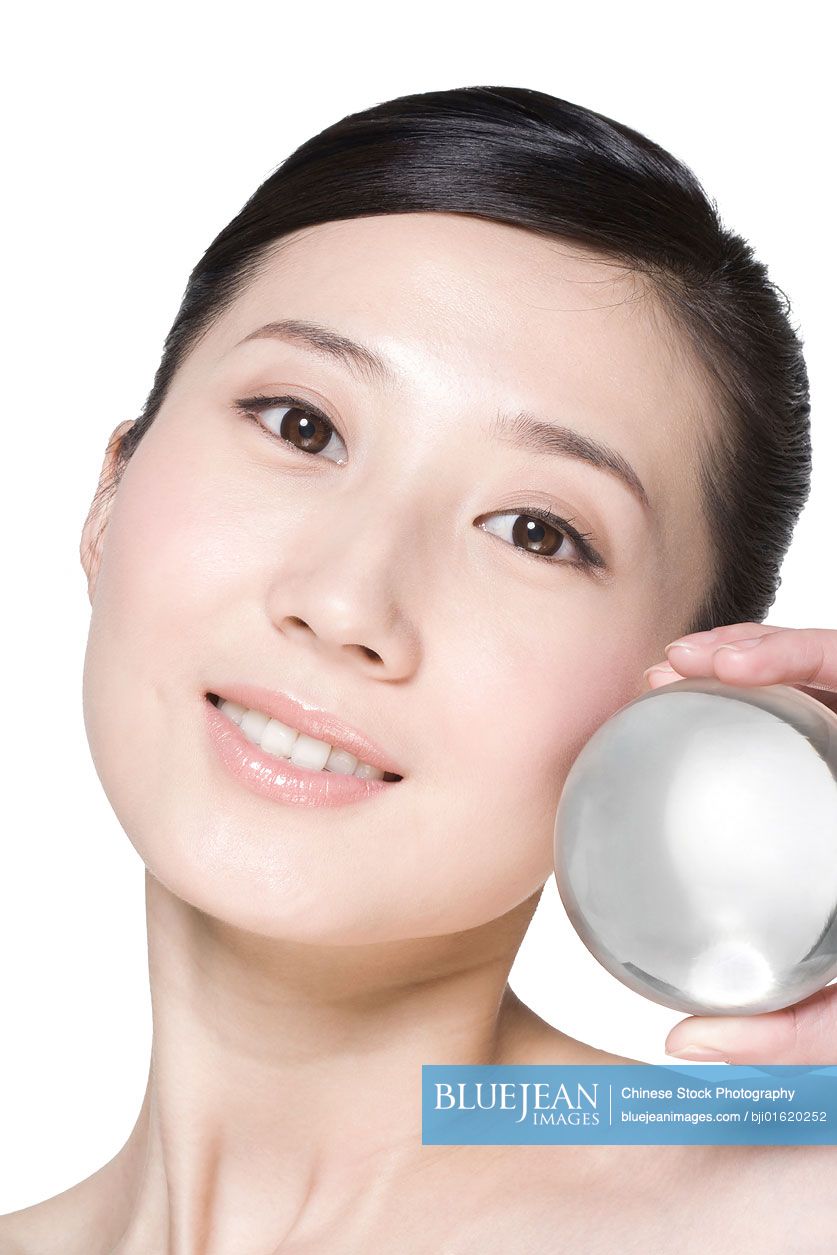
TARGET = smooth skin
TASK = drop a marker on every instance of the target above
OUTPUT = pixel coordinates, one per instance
(304, 963)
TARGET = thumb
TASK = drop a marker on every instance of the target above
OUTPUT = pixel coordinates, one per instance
(805, 1033)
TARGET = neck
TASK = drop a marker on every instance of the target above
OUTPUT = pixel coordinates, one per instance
(285, 1082)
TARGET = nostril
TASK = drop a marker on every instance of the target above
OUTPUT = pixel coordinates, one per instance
(370, 653)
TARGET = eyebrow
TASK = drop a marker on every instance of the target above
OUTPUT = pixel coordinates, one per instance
(522, 430)
(327, 343)
(526, 431)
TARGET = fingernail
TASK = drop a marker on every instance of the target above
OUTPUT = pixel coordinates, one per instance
(701, 1053)
(659, 668)
(686, 649)
(749, 643)
(725, 1036)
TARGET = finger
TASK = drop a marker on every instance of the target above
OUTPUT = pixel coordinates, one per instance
(663, 672)
(728, 632)
(804, 1033)
(786, 656)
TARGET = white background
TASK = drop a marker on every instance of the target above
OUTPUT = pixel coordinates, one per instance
(132, 135)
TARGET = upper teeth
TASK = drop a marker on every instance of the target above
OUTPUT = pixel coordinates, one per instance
(287, 742)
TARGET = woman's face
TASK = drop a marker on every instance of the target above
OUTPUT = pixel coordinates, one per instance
(396, 576)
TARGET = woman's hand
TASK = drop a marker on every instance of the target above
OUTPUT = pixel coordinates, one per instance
(752, 654)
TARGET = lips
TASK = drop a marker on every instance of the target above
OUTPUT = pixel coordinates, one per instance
(310, 719)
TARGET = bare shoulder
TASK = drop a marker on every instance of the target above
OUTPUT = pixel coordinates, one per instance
(13, 1240)
(45, 1228)
(64, 1223)
(687, 1200)
(684, 1200)
(23, 1232)
(681, 1199)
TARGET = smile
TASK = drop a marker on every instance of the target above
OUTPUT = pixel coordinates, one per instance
(286, 742)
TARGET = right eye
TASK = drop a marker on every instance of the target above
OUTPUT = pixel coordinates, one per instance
(292, 421)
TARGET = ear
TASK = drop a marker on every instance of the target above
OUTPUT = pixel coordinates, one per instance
(93, 532)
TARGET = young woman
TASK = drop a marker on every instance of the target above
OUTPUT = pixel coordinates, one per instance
(473, 408)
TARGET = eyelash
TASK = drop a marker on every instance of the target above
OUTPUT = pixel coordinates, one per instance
(252, 407)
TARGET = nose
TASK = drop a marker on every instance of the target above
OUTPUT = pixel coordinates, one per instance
(342, 593)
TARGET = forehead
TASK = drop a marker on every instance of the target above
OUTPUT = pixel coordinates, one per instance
(490, 315)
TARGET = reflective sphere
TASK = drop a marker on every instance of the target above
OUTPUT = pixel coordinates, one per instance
(696, 846)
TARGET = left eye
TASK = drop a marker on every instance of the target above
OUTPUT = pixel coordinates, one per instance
(542, 535)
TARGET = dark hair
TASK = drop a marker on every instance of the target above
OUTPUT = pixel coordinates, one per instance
(522, 157)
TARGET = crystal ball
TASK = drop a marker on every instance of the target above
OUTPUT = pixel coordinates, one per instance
(696, 846)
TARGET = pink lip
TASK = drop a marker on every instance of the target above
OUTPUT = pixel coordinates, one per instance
(309, 719)
(277, 778)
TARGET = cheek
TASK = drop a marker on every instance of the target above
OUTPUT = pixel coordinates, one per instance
(513, 724)
(520, 716)
(509, 720)
(151, 626)
(169, 543)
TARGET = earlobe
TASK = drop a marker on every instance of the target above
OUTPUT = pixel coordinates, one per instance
(93, 532)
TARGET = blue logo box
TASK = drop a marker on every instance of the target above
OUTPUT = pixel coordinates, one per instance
(708, 1104)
